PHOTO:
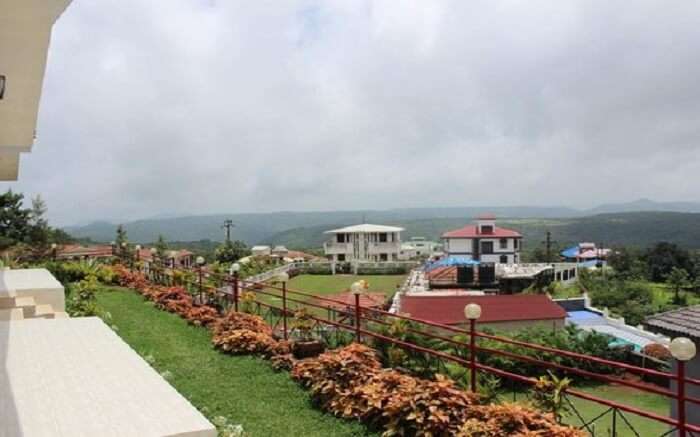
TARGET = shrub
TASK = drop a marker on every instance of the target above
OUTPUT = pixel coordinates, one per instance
(202, 315)
(233, 320)
(658, 351)
(244, 341)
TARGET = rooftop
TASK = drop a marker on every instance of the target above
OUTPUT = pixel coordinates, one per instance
(683, 321)
(449, 310)
(472, 231)
(365, 229)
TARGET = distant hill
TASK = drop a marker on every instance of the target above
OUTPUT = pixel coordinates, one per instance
(645, 205)
(305, 229)
(639, 229)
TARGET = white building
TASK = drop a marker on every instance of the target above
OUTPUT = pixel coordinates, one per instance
(261, 251)
(418, 247)
(364, 243)
(484, 242)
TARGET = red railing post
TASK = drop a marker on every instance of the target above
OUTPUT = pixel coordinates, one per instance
(472, 353)
(357, 318)
(681, 398)
(235, 291)
(284, 308)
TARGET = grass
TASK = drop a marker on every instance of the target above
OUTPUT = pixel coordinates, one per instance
(323, 285)
(624, 395)
(243, 389)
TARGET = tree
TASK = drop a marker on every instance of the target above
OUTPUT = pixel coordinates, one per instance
(39, 231)
(14, 220)
(678, 279)
(161, 248)
(121, 236)
(663, 257)
(230, 252)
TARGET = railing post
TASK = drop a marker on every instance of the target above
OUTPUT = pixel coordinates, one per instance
(284, 308)
(681, 398)
(235, 291)
(357, 318)
(472, 353)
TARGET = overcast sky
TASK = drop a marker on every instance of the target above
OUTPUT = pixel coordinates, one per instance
(205, 106)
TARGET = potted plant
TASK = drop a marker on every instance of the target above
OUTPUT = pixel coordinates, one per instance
(305, 345)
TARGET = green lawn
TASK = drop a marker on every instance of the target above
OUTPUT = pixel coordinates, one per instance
(625, 395)
(245, 390)
(329, 284)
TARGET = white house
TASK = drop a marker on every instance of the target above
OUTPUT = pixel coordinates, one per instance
(364, 242)
(418, 247)
(484, 242)
(261, 251)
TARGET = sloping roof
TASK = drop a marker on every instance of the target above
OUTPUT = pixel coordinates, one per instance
(70, 250)
(364, 228)
(347, 299)
(471, 231)
(449, 310)
(685, 321)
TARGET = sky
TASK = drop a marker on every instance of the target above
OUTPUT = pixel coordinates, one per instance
(179, 107)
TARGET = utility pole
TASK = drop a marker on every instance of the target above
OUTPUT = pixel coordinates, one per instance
(228, 224)
(548, 246)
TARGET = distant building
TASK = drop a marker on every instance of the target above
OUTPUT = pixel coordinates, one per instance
(173, 258)
(261, 251)
(585, 253)
(503, 312)
(364, 242)
(78, 252)
(484, 242)
(280, 251)
(418, 247)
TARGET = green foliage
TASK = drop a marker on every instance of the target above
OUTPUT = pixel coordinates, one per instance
(548, 394)
(678, 279)
(663, 257)
(632, 300)
(161, 248)
(14, 220)
(121, 236)
(230, 252)
(83, 302)
(67, 272)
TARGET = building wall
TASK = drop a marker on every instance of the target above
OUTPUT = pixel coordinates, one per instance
(520, 324)
(364, 247)
(465, 246)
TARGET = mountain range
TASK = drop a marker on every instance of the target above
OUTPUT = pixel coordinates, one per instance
(640, 222)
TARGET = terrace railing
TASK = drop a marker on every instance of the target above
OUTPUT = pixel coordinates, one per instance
(277, 302)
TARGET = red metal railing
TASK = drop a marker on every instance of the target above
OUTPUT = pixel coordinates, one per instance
(431, 330)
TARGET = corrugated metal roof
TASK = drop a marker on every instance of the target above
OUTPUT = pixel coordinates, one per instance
(682, 321)
(365, 229)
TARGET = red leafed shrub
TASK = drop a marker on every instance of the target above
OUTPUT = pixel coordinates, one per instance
(232, 321)
(656, 350)
(512, 420)
(244, 341)
(202, 315)
(332, 373)
(283, 362)
(127, 278)
(349, 383)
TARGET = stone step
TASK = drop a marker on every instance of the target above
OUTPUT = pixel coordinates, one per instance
(60, 315)
(11, 314)
(44, 311)
(16, 302)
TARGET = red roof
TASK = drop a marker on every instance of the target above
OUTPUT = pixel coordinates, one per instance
(367, 300)
(471, 231)
(449, 310)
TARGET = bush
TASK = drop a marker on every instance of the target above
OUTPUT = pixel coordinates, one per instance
(232, 321)
(658, 351)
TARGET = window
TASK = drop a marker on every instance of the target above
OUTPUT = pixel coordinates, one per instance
(487, 229)
(515, 243)
(487, 247)
(382, 237)
(503, 243)
(341, 257)
(503, 259)
(383, 257)
(341, 238)
(3, 81)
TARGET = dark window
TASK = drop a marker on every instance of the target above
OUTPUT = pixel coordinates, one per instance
(487, 247)
(504, 259)
(515, 244)
(341, 257)
(382, 237)
(487, 229)
(3, 81)
(503, 243)
(341, 238)
(383, 257)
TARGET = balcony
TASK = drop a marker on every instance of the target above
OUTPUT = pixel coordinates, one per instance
(332, 247)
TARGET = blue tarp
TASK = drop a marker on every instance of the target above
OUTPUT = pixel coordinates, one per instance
(571, 252)
(451, 261)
